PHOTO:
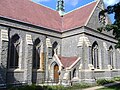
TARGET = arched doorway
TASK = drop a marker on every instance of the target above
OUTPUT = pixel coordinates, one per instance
(56, 73)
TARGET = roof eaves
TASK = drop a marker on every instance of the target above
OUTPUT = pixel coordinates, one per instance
(71, 29)
(52, 29)
(92, 12)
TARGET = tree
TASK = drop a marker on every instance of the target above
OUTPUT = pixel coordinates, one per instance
(115, 27)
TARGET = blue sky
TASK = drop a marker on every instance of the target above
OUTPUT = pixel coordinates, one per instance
(72, 4)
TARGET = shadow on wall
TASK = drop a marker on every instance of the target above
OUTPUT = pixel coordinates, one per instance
(12, 58)
(2, 74)
(4, 78)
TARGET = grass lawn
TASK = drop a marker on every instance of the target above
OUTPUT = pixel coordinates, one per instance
(115, 87)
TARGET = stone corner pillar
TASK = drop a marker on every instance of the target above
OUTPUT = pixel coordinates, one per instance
(28, 60)
(48, 58)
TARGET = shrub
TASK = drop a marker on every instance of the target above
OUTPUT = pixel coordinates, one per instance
(117, 78)
(54, 88)
(27, 87)
(82, 85)
(104, 81)
(79, 86)
(57, 87)
(31, 87)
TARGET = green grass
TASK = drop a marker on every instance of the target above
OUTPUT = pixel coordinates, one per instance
(115, 87)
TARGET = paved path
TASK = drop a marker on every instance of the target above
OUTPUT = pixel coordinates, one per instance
(98, 87)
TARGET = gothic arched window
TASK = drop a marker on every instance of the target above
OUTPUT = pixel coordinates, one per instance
(54, 48)
(14, 51)
(36, 54)
(95, 60)
(110, 55)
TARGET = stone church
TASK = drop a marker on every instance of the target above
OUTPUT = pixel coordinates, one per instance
(38, 44)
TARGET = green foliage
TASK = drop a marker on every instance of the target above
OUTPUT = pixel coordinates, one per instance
(115, 27)
(104, 81)
(117, 78)
(27, 87)
(54, 88)
(33, 87)
(79, 86)
(57, 87)
(76, 86)
(82, 85)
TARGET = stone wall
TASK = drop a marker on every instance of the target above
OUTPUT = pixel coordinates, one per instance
(24, 72)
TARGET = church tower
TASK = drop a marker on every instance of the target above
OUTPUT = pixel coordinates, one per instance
(60, 7)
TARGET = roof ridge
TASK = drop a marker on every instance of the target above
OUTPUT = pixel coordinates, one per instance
(80, 7)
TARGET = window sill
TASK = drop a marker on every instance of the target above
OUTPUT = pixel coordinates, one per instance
(114, 70)
(103, 70)
(99, 70)
(15, 70)
(37, 70)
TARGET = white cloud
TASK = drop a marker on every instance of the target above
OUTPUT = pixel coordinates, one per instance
(37, 1)
(75, 2)
(111, 2)
(72, 2)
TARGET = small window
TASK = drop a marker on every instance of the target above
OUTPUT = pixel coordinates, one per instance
(110, 55)
(54, 48)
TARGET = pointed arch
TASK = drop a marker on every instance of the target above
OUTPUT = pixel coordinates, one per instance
(36, 53)
(95, 57)
(110, 55)
(54, 69)
(56, 73)
(54, 48)
(14, 51)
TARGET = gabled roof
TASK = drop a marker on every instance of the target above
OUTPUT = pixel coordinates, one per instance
(67, 61)
(78, 17)
(32, 13)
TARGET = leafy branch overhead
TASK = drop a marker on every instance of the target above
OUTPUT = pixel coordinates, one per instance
(115, 27)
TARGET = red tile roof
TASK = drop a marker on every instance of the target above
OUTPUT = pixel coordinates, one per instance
(67, 61)
(30, 12)
(78, 17)
(27, 11)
